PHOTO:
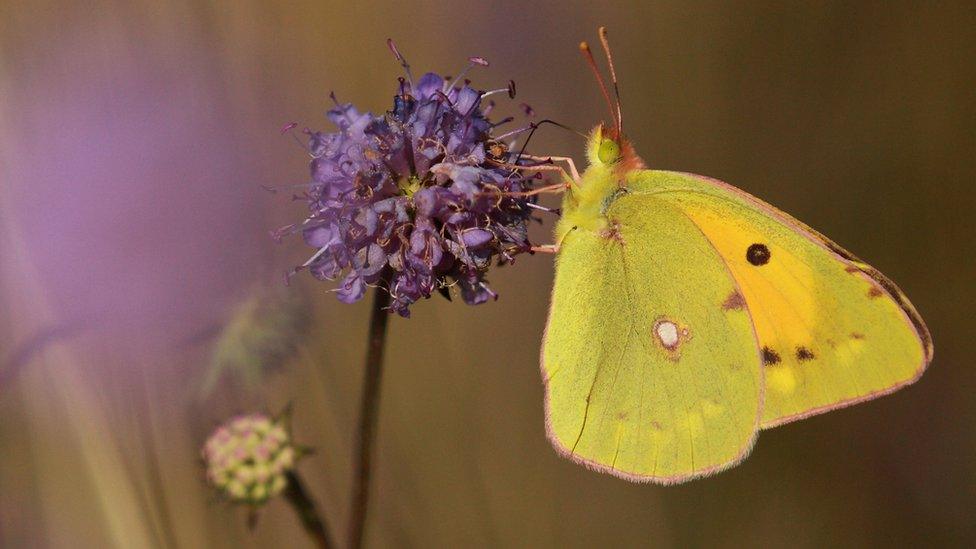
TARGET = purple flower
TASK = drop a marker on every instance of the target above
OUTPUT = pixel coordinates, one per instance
(417, 200)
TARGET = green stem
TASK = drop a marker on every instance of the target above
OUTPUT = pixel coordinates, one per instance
(368, 415)
(303, 504)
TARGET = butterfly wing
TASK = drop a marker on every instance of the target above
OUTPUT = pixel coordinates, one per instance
(833, 330)
(647, 377)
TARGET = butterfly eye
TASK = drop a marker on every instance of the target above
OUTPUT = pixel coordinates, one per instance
(609, 151)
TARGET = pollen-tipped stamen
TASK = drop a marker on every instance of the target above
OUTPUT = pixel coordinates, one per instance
(399, 57)
(472, 62)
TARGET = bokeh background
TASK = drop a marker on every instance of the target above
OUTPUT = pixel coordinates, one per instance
(135, 138)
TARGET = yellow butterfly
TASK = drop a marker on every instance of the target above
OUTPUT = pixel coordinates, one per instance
(686, 315)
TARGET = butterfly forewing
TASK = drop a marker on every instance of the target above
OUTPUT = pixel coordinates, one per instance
(832, 330)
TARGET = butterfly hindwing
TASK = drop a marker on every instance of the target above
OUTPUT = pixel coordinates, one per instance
(647, 375)
(833, 331)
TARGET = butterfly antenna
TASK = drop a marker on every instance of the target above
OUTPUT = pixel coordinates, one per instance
(563, 126)
(588, 55)
(535, 126)
(613, 78)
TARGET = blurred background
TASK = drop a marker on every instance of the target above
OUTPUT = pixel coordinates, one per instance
(135, 138)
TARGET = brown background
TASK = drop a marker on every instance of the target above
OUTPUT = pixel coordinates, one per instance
(134, 137)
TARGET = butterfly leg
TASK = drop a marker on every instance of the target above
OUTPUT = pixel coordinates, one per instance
(552, 248)
(573, 172)
(554, 188)
(546, 249)
(547, 167)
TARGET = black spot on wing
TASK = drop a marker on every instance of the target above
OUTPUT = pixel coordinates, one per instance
(770, 357)
(758, 254)
(803, 354)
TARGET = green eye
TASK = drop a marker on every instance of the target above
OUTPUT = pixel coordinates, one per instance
(609, 151)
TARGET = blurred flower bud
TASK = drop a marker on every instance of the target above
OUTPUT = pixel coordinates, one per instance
(249, 457)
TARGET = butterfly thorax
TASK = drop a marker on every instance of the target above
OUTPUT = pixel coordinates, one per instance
(585, 204)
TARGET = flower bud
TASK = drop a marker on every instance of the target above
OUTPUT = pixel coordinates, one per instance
(248, 458)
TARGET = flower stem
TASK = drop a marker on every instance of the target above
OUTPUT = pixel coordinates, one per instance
(304, 506)
(369, 412)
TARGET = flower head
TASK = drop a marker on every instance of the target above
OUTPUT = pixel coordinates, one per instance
(419, 199)
(248, 458)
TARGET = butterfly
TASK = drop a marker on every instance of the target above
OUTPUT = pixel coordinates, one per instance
(687, 315)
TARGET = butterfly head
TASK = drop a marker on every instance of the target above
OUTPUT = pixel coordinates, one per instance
(611, 150)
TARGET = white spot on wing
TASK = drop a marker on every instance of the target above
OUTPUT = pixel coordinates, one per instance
(667, 333)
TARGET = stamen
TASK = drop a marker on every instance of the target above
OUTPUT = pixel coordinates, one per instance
(401, 59)
(443, 95)
(493, 92)
(535, 206)
(274, 190)
(503, 121)
(472, 61)
(315, 256)
(291, 274)
(494, 296)
(288, 129)
(516, 132)
(281, 232)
